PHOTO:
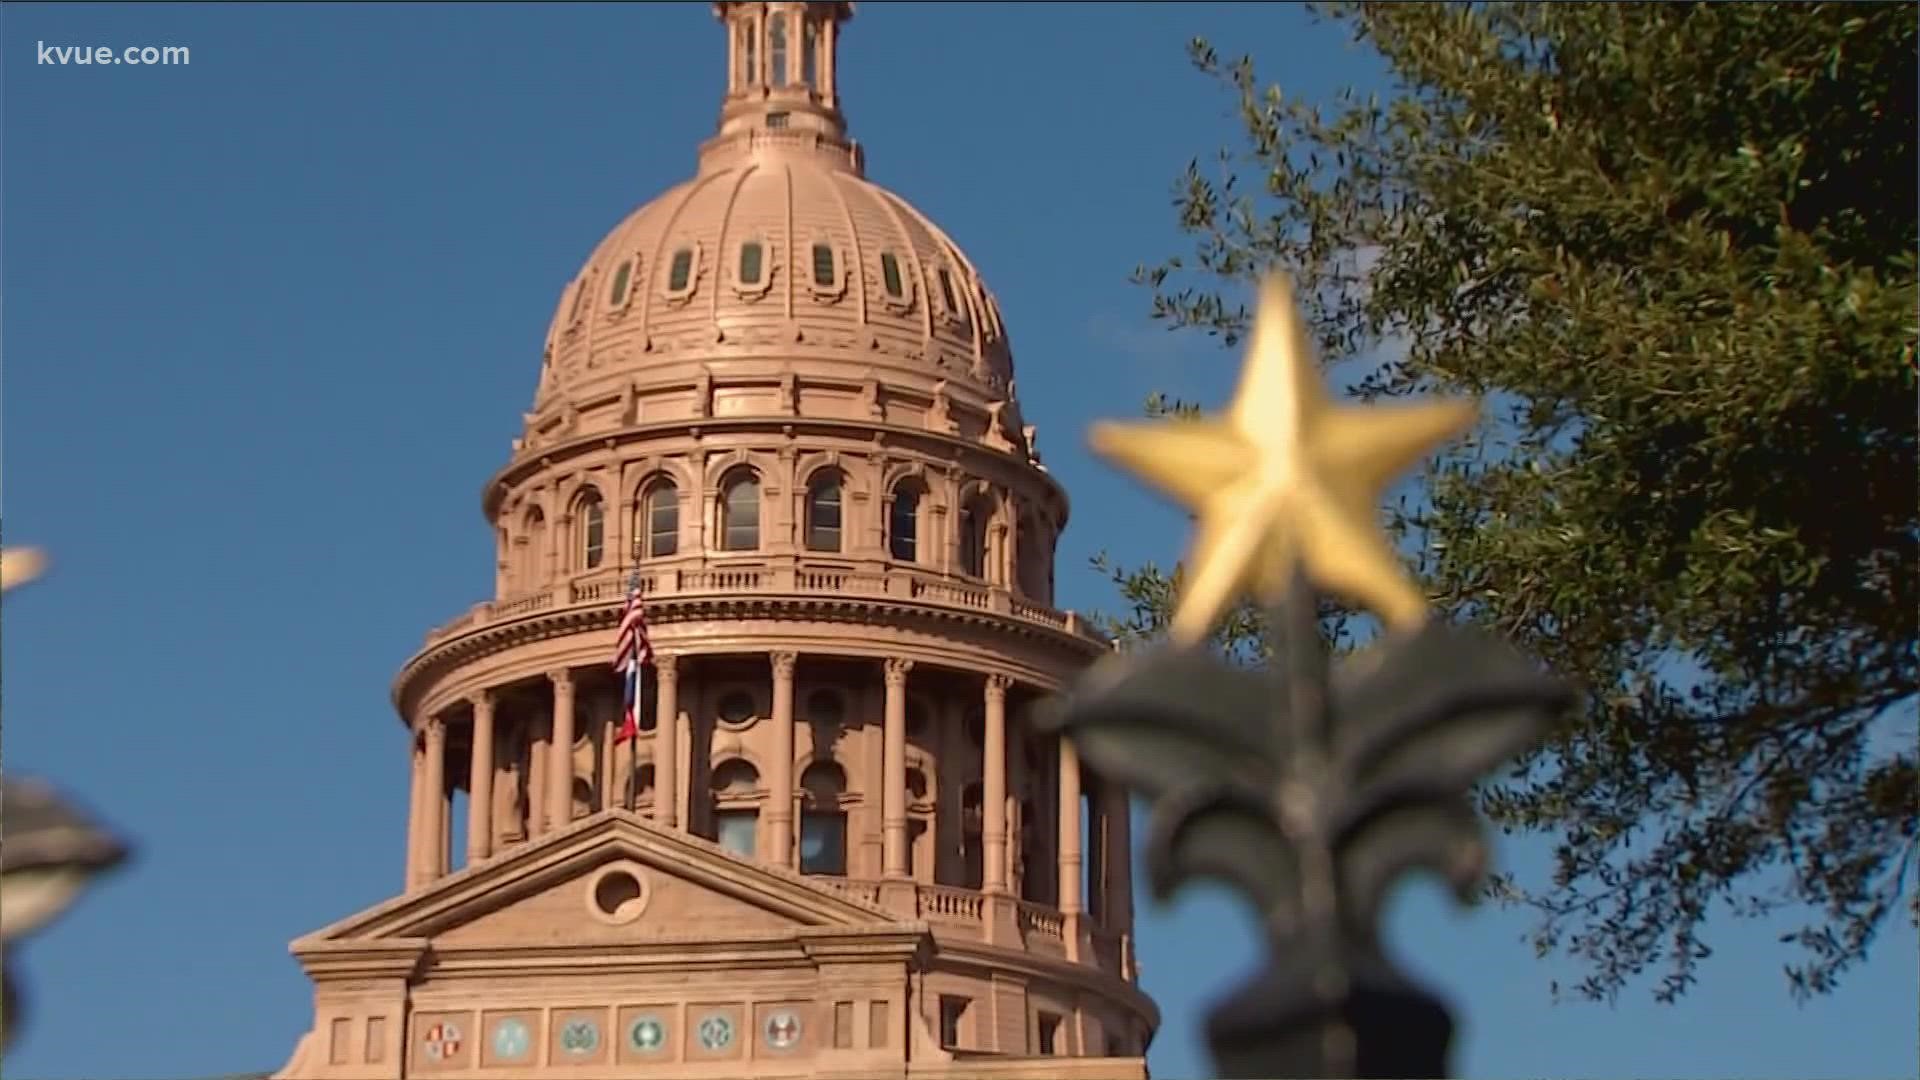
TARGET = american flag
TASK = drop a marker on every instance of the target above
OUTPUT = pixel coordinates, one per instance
(630, 652)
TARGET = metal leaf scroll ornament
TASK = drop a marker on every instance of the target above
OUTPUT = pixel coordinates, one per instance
(51, 851)
(1311, 793)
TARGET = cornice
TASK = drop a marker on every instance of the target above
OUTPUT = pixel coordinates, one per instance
(388, 958)
(451, 653)
(1056, 969)
(938, 445)
(798, 948)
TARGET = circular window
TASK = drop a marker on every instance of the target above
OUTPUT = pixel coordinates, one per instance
(736, 707)
(826, 707)
(617, 894)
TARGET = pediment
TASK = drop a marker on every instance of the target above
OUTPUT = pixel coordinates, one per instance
(613, 877)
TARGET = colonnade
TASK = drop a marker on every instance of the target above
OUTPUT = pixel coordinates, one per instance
(551, 802)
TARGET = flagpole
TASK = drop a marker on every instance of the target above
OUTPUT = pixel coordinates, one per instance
(639, 699)
(630, 795)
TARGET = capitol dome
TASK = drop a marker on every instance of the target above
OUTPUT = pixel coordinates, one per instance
(778, 240)
(813, 827)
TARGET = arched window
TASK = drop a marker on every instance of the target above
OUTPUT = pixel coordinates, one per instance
(777, 48)
(533, 565)
(621, 279)
(736, 708)
(1033, 558)
(823, 511)
(973, 538)
(591, 518)
(752, 263)
(660, 520)
(903, 523)
(736, 810)
(823, 268)
(823, 824)
(810, 54)
(740, 513)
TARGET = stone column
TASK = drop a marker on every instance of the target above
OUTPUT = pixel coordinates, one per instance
(434, 819)
(828, 87)
(666, 741)
(416, 812)
(538, 738)
(993, 831)
(780, 770)
(1119, 814)
(560, 754)
(480, 781)
(893, 780)
(1071, 884)
(605, 716)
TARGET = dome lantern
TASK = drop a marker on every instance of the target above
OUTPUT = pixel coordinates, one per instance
(781, 84)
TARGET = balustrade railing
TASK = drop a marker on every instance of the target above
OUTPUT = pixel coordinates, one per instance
(1041, 921)
(796, 578)
(949, 902)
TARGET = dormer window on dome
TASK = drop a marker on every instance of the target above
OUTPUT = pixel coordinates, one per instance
(681, 271)
(622, 278)
(946, 292)
(753, 269)
(890, 278)
(580, 298)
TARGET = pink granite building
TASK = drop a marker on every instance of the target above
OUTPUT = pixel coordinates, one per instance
(782, 400)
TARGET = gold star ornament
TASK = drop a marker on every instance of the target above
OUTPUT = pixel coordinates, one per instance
(19, 566)
(1286, 478)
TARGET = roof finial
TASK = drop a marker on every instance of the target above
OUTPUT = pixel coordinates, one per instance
(782, 87)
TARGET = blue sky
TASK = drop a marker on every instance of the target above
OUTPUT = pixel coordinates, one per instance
(270, 320)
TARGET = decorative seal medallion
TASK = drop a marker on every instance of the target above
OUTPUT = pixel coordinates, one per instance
(647, 1034)
(511, 1039)
(441, 1041)
(716, 1033)
(782, 1030)
(579, 1038)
